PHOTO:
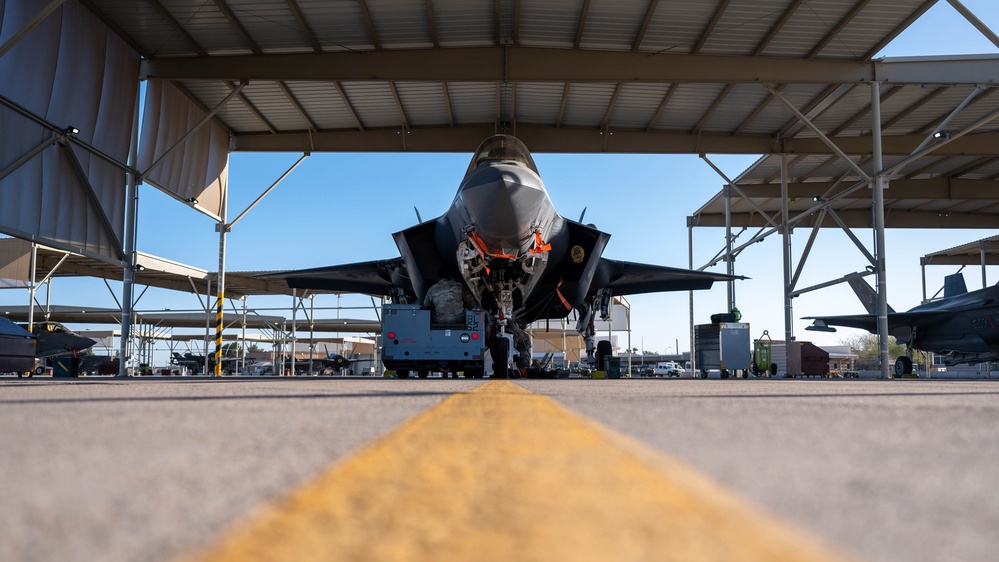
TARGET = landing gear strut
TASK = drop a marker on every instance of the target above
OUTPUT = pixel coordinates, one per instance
(501, 353)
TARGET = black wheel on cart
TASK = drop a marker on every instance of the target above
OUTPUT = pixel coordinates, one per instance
(724, 373)
(704, 373)
(773, 369)
(403, 373)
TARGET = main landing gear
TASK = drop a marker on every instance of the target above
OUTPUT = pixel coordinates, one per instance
(903, 366)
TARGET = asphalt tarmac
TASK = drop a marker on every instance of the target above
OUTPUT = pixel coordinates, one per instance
(164, 469)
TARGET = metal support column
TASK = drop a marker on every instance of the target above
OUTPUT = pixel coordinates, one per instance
(31, 287)
(208, 321)
(786, 252)
(981, 251)
(220, 286)
(729, 266)
(312, 332)
(690, 296)
(294, 328)
(242, 368)
(378, 338)
(922, 270)
(128, 272)
(878, 184)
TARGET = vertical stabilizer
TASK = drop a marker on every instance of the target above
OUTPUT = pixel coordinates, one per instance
(954, 285)
(867, 295)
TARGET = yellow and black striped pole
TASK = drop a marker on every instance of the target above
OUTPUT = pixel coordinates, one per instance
(220, 304)
(218, 330)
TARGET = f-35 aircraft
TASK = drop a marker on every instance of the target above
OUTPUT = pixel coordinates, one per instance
(20, 348)
(961, 327)
(520, 260)
(193, 362)
(56, 339)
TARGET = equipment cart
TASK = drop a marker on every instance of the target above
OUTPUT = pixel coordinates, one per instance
(763, 364)
(724, 346)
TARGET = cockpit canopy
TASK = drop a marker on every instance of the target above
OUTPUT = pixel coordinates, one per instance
(502, 147)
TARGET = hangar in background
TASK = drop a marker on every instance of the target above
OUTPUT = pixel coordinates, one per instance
(789, 79)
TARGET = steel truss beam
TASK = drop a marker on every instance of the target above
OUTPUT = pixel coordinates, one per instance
(566, 65)
(555, 138)
(861, 218)
(932, 188)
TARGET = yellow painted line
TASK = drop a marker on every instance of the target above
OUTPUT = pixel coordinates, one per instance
(500, 473)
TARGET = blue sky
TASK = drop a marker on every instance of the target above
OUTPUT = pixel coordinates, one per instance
(342, 208)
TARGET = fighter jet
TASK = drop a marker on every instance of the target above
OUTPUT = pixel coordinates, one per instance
(962, 327)
(20, 348)
(55, 339)
(335, 362)
(516, 255)
(193, 362)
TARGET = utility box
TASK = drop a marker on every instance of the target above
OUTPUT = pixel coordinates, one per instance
(411, 344)
(613, 367)
(66, 367)
(726, 346)
(802, 358)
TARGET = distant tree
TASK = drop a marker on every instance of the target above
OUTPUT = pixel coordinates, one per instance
(647, 352)
(231, 350)
(634, 350)
(253, 348)
(866, 348)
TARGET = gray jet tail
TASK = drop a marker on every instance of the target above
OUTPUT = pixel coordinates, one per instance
(954, 285)
(865, 293)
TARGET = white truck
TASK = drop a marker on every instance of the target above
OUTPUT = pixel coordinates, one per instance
(667, 369)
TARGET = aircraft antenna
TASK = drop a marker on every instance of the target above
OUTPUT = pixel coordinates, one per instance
(581, 215)
(418, 217)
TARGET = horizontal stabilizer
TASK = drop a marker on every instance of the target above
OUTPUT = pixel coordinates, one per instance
(820, 326)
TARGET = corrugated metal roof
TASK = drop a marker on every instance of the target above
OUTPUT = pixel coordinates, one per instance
(658, 76)
(153, 271)
(967, 254)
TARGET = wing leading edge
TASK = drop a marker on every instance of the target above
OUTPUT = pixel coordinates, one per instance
(869, 322)
(377, 277)
(630, 278)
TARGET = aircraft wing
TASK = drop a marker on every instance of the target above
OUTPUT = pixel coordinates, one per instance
(371, 277)
(629, 278)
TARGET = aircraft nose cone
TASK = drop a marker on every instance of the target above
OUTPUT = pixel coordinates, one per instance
(503, 203)
(78, 343)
